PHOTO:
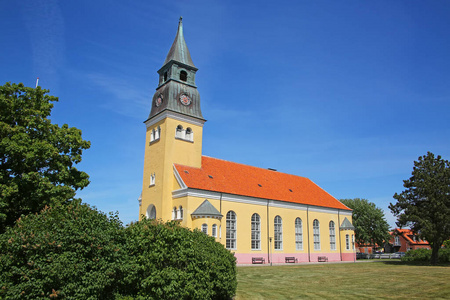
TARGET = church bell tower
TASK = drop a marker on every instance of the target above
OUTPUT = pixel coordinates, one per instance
(174, 130)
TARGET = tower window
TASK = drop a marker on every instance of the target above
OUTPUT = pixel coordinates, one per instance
(155, 134)
(151, 212)
(165, 76)
(183, 76)
(152, 179)
(180, 212)
(184, 134)
(174, 213)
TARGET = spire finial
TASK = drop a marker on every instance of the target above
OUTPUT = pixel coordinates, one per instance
(181, 19)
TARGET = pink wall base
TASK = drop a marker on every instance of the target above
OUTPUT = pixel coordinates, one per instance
(279, 258)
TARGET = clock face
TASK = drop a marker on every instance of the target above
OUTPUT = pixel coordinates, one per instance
(159, 100)
(185, 100)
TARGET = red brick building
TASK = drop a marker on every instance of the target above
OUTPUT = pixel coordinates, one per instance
(404, 240)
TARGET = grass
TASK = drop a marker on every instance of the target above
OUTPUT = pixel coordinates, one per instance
(361, 280)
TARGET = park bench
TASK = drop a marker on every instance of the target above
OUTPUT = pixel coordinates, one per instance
(290, 259)
(322, 259)
(258, 260)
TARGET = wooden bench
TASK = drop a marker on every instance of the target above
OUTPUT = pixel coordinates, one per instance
(258, 260)
(322, 259)
(290, 259)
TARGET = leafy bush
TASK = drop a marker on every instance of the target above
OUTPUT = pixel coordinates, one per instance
(417, 255)
(77, 252)
(69, 252)
(424, 255)
(172, 262)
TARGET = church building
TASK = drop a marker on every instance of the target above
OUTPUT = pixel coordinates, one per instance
(261, 215)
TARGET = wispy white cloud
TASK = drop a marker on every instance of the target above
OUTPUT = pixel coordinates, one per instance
(127, 99)
(45, 23)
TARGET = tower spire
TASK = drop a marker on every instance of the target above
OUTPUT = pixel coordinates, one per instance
(179, 51)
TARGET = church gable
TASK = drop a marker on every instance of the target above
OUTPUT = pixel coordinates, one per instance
(238, 179)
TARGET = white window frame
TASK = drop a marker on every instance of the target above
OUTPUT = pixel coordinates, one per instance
(214, 230)
(347, 242)
(205, 228)
(316, 234)
(298, 234)
(231, 231)
(278, 233)
(332, 235)
(256, 232)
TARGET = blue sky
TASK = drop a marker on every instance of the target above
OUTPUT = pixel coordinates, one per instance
(346, 93)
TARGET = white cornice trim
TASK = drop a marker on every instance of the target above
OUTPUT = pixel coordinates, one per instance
(185, 192)
(173, 115)
(179, 180)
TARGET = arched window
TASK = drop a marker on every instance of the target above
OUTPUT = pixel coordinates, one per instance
(316, 234)
(278, 233)
(353, 241)
(152, 179)
(152, 135)
(347, 242)
(151, 212)
(180, 212)
(298, 234)
(179, 132)
(256, 232)
(174, 213)
(231, 230)
(205, 228)
(214, 230)
(397, 241)
(332, 236)
(157, 133)
(189, 134)
(183, 75)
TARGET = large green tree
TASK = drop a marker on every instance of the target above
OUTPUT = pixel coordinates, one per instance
(37, 157)
(425, 203)
(370, 224)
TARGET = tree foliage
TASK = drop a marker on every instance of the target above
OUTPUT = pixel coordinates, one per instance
(370, 224)
(425, 203)
(70, 251)
(172, 262)
(73, 251)
(37, 157)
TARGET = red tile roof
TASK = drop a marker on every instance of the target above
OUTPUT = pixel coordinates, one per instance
(407, 233)
(232, 178)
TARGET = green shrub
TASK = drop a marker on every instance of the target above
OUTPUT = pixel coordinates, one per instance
(69, 252)
(77, 252)
(444, 255)
(424, 255)
(172, 262)
(417, 255)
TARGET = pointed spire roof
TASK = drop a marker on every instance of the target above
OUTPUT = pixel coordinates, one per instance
(179, 51)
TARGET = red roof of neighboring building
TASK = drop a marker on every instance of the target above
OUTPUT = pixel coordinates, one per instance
(232, 178)
(407, 233)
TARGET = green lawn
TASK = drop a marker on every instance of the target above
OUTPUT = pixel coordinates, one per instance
(361, 280)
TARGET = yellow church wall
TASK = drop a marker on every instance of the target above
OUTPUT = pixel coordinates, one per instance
(244, 212)
(159, 158)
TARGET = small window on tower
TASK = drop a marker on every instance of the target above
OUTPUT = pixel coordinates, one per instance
(165, 76)
(183, 76)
